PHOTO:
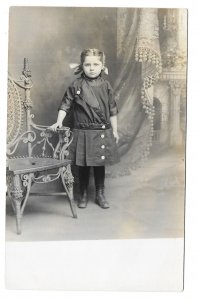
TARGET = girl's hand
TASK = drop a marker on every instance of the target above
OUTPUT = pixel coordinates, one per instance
(55, 126)
(116, 136)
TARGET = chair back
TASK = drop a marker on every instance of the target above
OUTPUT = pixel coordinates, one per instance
(24, 137)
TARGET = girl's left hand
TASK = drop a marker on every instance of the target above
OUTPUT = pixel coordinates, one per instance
(116, 136)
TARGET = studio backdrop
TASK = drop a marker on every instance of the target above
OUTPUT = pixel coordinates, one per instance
(133, 40)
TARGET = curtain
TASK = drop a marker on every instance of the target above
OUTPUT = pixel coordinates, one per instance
(138, 68)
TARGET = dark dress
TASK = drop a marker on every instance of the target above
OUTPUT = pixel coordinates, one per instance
(92, 105)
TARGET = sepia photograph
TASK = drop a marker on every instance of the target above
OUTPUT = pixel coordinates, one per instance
(96, 126)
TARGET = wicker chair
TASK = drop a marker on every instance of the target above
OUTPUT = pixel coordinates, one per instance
(44, 156)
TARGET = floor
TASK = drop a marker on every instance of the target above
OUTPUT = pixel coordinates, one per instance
(147, 204)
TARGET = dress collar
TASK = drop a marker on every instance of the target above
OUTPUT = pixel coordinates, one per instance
(91, 79)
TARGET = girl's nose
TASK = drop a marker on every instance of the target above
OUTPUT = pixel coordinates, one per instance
(91, 67)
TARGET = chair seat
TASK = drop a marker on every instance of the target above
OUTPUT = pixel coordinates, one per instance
(34, 164)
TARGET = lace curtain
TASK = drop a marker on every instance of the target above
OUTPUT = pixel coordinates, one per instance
(138, 67)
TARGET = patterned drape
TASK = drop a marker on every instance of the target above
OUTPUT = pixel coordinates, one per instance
(138, 67)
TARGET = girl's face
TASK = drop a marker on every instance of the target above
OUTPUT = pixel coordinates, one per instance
(92, 66)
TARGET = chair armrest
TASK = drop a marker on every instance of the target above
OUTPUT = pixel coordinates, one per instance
(65, 138)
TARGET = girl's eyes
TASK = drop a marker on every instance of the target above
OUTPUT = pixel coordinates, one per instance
(88, 65)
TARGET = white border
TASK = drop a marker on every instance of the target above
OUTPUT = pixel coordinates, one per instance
(110, 265)
(191, 269)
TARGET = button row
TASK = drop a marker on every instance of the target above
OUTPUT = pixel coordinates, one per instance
(103, 146)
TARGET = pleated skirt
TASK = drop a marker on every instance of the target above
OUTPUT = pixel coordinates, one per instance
(93, 147)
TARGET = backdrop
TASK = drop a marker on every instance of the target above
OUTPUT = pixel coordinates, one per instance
(52, 38)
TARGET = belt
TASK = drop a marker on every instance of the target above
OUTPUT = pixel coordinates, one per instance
(92, 126)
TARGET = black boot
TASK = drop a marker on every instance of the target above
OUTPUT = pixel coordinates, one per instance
(99, 176)
(82, 203)
(84, 181)
(100, 197)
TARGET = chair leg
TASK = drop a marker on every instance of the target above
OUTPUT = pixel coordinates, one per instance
(67, 181)
(17, 197)
(71, 201)
(18, 216)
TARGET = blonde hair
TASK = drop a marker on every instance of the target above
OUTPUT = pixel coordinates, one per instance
(89, 52)
(92, 52)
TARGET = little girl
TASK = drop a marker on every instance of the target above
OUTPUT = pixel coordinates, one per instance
(94, 112)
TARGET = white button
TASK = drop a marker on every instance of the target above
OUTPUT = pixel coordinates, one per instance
(103, 126)
(102, 136)
(103, 157)
(103, 146)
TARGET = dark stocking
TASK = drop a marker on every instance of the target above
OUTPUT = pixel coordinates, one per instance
(84, 181)
(99, 176)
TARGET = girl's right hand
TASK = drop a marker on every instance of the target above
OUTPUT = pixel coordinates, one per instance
(55, 126)
(116, 136)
